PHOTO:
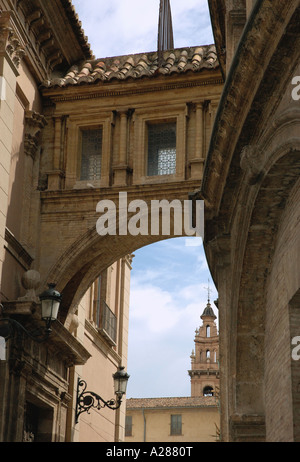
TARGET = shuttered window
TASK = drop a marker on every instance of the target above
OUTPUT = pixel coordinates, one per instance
(176, 424)
(128, 425)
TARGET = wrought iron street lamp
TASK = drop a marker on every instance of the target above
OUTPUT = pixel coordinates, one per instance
(86, 400)
(50, 302)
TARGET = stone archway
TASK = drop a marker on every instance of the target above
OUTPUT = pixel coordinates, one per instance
(84, 268)
(76, 268)
(251, 328)
(270, 172)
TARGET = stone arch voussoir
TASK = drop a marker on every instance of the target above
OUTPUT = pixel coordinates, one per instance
(281, 171)
(78, 267)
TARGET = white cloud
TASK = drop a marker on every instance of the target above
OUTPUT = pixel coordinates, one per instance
(162, 323)
(130, 26)
(155, 308)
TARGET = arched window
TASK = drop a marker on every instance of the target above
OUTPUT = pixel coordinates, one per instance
(208, 391)
(207, 331)
(207, 354)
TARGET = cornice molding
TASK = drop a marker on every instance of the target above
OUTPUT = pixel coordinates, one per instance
(83, 94)
(17, 250)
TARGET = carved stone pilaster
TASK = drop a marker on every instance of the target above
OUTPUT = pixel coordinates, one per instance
(10, 44)
(34, 123)
(251, 163)
(122, 170)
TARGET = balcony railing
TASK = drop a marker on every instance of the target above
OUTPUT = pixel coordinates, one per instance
(108, 323)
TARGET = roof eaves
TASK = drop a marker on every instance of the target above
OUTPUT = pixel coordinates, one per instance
(76, 25)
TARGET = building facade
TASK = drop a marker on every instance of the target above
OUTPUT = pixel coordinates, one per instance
(101, 325)
(237, 148)
(176, 420)
(252, 220)
(58, 104)
(39, 381)
(195, 418)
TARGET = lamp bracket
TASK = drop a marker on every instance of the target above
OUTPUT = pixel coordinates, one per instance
(85, 400)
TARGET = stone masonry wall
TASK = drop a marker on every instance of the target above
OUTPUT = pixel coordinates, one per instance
(283, 285)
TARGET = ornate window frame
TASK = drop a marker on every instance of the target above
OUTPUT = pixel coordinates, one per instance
(146, 116)
(74, 150)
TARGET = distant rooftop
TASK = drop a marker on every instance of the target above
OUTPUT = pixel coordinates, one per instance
(157, 403)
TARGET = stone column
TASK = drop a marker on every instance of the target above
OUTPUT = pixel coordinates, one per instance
(34, 123)
(220, 248)
(71, 157)
(197, 162)
(55, 176)
(121, 169)
(11, 53)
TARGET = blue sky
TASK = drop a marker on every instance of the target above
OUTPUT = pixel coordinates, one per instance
(168, 294)
(118, 27)
(168, 279)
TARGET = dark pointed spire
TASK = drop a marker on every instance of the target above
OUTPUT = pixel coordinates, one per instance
(165, 29)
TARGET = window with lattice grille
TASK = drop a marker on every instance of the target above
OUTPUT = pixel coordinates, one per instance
(161, 149)
(91, 154)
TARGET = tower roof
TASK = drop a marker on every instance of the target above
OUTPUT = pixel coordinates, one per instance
(208, 311)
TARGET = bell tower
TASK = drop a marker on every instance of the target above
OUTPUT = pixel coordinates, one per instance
(204, 371)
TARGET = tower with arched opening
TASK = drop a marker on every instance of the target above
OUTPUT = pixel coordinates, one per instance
(204, 371)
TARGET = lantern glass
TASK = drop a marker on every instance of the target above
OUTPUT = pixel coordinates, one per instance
(50, 309)
(50, 300)
(120, 382)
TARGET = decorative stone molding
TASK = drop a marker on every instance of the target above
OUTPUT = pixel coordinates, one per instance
(15, 49)
(34, 123)
(251, 162)
(220, 247)
(27, 304)
(10, 44)
(74, 323)
(31, 282)
(247, 428)
(19, 307)
(16, 249)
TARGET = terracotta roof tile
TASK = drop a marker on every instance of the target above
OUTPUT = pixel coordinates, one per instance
(138, 65)
(156, 403)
